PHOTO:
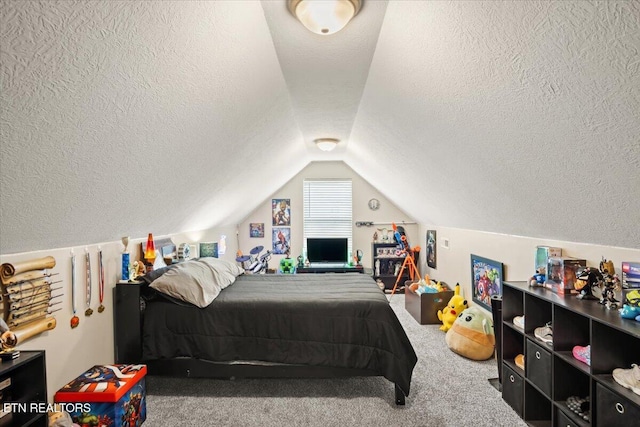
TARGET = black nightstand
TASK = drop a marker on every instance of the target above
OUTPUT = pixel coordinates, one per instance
(127, 324)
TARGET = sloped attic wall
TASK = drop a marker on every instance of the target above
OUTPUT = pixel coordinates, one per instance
(120, 118)
(510, 117)
(514, 117)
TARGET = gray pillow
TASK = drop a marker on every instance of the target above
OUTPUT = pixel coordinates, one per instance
(197, 282)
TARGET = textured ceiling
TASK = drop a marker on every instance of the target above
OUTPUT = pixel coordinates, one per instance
(512, 117)
(122, 117)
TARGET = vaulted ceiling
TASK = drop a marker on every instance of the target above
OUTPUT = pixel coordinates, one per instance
(513, 117)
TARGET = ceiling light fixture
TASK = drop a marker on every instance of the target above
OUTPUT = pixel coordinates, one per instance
(324, 17)
(326, 144)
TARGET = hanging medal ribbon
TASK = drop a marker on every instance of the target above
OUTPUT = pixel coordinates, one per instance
(88, 311)
(75, 320)
(101, 284)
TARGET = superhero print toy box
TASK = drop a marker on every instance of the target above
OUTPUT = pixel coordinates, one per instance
(107, 396)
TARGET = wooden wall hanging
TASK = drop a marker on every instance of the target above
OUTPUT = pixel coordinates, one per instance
(27, 298)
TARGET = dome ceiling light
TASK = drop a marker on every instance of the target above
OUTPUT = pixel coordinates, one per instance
(324, 17)
(326, 144)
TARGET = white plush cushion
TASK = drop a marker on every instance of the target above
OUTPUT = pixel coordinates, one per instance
(199, 281)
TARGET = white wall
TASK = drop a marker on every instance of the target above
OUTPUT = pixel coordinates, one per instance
(362, 192)
(517, 254)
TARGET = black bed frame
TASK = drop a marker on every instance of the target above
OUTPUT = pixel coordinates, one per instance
(196, 368)
(128, 320)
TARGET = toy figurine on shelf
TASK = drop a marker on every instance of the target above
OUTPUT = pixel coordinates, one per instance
(606, 267)
(631, 305)
(587, 280)
(138, 269)
(610, 283)
(630, 312)
(538, 278)
(287, 266)
(358, 257)
(608, 293)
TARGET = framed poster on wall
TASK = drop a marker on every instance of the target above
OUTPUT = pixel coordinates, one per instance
(431, 249)
(208, 249)
(281, 211)
(486, 280)
(256, 229)
(281, 239)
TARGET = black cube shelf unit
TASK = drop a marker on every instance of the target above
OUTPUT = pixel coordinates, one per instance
(23, 381)
(387, 265)
(552, 375)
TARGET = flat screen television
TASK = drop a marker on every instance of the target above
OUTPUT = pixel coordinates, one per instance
(327, 250)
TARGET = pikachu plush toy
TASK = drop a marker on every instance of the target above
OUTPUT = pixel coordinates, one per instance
(456, 304)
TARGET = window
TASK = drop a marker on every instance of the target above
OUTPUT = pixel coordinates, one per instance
(327, 209)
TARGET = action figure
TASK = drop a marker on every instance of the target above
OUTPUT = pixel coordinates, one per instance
(586, 280)
(610, 284)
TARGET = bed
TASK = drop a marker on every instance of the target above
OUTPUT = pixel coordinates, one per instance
(267, 325)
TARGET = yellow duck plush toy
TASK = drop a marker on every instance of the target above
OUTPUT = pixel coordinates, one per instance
(456, 304)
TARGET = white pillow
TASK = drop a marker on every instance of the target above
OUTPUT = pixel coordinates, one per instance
(197, 282)
(230, 270)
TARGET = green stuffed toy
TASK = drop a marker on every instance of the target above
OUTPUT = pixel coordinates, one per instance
(471, 335)
(287, 266)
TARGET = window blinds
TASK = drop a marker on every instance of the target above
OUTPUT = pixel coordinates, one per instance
(327, 209)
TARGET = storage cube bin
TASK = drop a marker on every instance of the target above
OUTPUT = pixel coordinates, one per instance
(424, 307)
(106, 395)
(614, 410)
(538, 367)
(513, 389)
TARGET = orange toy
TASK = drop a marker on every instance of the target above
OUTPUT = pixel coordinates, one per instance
(409, 260)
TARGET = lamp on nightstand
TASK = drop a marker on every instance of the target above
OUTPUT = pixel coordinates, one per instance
(150, 252)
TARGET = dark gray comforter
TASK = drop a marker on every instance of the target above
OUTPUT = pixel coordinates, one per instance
(333, 320)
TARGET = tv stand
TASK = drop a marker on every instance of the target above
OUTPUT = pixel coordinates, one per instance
(321, 270)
